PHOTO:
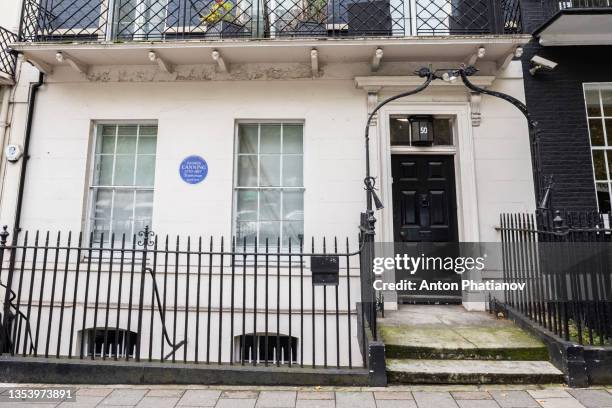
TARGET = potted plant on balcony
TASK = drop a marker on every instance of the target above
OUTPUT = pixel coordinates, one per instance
(222, 21)
(310, 20)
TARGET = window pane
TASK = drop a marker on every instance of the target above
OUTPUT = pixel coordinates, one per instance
(609, 153)
(247, 171)
(127, 130)
(143, 210)
(295, 231)
(269, 175)
(108, 144)
(246, 230)
(400, 130)
(126, 144)
(247, 138)
(592, 102)
(603, 197)
(292, 138)
(145, 171)
(123, 207)
(102, 203)
(105, 171)
(606, 98)
(124, 171)
(609, 131)
(596, 130)
(599, 164)
(293, 205)
(443, 132)
(144, 204)
(293, 171)
(100, 227)
(269, 205)
(148, 130)
(269, 230)
(246, 205)
(108, 130)
(147, 145)
(270, 139)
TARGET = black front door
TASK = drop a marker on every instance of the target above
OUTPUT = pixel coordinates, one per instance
(425, 219)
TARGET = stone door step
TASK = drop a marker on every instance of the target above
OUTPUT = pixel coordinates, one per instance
(472, 372)
(531, 353)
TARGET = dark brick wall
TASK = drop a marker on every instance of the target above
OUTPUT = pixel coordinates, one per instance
(556, 101)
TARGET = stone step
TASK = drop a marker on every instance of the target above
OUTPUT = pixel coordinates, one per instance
(408, 371)
(519, 353)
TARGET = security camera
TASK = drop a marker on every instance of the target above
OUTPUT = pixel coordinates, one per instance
(539, 63)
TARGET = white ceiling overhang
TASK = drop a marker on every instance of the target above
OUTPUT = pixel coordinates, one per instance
(430, 49)
(577, 27)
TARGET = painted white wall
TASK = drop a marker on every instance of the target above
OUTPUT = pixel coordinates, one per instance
(196, 118)
(10, 11)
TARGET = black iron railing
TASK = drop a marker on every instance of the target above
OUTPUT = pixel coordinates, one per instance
(551, 7)
(162, 20)
(565, 262)
(7, 58)
(196, 300)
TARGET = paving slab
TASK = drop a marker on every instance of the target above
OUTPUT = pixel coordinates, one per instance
(94, 392)
(315, 404)
(434, 399)
(316, 395)
(236, 403)
(125, 396)
(477, 404)
(199, 398)
(549, 393)
(396, 404)
(82, 401)
(355, 400)
(471, 395)
(236, 394)
(514, 399)
(393, 395)
(593, 398)
(157, 402)
(276, 399)
(559, 403)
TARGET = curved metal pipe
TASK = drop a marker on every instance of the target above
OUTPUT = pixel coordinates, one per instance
(369, 180)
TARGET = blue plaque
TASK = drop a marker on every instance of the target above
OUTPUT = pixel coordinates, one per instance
(193, 170)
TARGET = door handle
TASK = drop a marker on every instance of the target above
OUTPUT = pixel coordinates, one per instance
(424, 200)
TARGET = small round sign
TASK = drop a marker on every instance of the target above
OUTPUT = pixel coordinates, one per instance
(193, 169)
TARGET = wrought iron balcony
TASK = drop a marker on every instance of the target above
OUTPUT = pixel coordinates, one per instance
(7, 58)
(167, 20)
(552, 7)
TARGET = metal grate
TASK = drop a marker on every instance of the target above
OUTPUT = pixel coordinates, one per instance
(161, 20)
(7, 58)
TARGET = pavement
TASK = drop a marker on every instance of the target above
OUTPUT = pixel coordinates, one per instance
(458, 396)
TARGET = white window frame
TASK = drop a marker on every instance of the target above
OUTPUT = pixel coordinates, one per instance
(235, 188)
(599, 86)
(92, 174)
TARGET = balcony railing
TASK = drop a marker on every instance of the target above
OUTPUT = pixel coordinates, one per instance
(166, 20)
(7, 58)
(551, 7)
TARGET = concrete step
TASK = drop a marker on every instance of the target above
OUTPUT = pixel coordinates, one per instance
(525, 353)
(451, 332)
(408, 371)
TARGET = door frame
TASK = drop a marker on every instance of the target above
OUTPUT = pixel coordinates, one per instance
(463, 150)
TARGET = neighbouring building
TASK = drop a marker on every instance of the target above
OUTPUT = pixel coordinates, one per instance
(572, 102)
(246, 119)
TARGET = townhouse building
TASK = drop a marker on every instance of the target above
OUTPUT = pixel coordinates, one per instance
(143, 131)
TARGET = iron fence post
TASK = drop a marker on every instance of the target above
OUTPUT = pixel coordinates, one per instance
(144, 242)
(4, 328)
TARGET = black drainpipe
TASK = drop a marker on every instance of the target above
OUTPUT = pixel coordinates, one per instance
(34, 87)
